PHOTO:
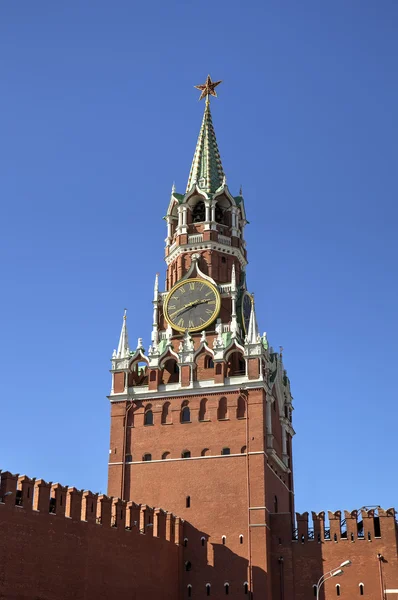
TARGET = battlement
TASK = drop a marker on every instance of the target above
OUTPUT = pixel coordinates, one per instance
(19, 492)
(364, 523)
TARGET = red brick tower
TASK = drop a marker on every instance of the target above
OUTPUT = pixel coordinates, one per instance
(201, 423)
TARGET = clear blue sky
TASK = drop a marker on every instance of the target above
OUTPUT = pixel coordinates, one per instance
(99, 116)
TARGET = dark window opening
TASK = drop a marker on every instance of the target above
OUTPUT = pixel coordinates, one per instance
(188, 566)
(361, 589)
(222, 411)
(337, 590)
(53, 505)
(241, 408)
(204, 452)
(147, 457)
(225, 451)
(188, 502)
(226, 589)
(92, 507)
(189, 591)
(18, 498)
(148, 417)
(246, 588)
(218, 369)
(185, 542)
(243, 450)
(274, 405)
(202, 409)
(241, 539)
(203, 541)
(315, 590)
(28, 494)
(209, 362)
(223, 259)
(224, 539)
(186, 454)
(165, 455)
(376, 522)
(198, 212)
(165, 413)
(208, 588)
(185, 415)
(275, 504)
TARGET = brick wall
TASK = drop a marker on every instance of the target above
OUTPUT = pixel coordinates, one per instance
(58, 556)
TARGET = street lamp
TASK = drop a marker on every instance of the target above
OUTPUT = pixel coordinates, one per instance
(333, 573)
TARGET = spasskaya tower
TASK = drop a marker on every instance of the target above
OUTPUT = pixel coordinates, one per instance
(201, 422)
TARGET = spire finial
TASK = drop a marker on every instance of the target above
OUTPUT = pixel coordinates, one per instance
(123, 349)
(208, 88)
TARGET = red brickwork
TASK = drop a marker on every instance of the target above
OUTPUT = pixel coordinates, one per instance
(56, 556)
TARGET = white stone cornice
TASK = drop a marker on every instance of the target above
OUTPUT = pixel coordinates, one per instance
(232, 384)
(208, 245)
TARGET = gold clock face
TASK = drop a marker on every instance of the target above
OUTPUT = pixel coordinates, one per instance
(192, 304)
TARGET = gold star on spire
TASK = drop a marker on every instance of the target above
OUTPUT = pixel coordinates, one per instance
(207, 88)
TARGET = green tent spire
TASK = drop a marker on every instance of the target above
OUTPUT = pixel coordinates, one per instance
(206, 170)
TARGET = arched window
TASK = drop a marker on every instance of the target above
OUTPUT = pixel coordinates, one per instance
(209, 362)
(203, 409)
(166, 413)
(241, 408)
(243, 450)
(185, 542)
(165, 455)
(246, 588)
(223, 539)
(275, 504)
(361, 589)
(147, 457)
(189, 591)
(222, 411)
(152, 376)
(188, 566)
(314, 590)
(186, 454)
(337, 589)
(218, 369)
(185, 412)
(226, 586)
(208, 588)
(148, 415)
(203, 541)
(241, 539)
(188, 502)
(205, 452)
(226, 451)
(198, 212)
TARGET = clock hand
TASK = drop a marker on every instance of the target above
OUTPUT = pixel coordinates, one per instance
(189, 305)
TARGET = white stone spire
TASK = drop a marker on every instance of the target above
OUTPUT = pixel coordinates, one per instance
(123, 350)
(155, 334)
(252, 331)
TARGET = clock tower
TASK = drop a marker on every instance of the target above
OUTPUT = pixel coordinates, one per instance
(201, 423)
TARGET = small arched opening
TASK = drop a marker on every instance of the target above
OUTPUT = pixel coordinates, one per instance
(236, 364)
(165, 455)
(185, 412)
(203, 410)
(188, 565)
(361, 589)
(208, 589)
(166, 414)
(205, 452)
(148, 415)
(222, 411)
(170, 372)
(241, 408)
(226, 588)
(199, 212)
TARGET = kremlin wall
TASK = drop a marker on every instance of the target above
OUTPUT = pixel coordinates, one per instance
(60, 543)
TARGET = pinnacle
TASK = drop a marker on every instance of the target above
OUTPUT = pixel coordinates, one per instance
(206, 170)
